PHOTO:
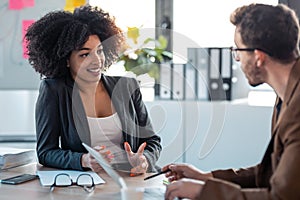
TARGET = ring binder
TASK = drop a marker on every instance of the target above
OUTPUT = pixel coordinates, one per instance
(177, 83)
(213, 73)
(165, 81)
(220, 74)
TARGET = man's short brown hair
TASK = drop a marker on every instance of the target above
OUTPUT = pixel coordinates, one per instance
(273, 29)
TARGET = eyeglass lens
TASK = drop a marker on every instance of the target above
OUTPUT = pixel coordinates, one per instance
(63, 180)
(234, 54)
(84, 180)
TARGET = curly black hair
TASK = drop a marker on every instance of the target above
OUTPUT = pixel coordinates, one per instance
(51, 39)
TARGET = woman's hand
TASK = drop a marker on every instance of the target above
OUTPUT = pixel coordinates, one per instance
(137, 160)
(179, 171)
(89, 161)
(185, 188)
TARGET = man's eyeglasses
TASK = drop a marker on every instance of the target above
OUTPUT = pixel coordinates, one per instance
(235, 55)
(234, 51)
(85, 181)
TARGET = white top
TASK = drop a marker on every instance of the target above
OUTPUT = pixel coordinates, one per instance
(107, 131)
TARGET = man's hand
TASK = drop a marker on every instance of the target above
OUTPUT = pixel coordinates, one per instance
(179, 171)
(184, 188)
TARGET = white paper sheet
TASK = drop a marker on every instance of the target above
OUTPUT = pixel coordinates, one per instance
(47, 177)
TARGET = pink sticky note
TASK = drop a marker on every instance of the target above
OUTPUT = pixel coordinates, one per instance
(15, 4)
(28, 3)
(25, 25)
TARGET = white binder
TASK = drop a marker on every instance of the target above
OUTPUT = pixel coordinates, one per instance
(165, 81)
(202, 60)
(178, 81)
(190, 82)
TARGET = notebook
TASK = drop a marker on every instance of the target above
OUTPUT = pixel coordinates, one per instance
(14, 157)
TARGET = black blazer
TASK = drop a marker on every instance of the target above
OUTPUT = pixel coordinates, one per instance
(61, 122)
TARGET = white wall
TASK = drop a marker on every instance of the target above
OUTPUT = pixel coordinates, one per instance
(17, 112)
(211, 135)
(229, 135)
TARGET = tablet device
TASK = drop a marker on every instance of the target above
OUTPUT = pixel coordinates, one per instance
(122, 167)
(106, 166)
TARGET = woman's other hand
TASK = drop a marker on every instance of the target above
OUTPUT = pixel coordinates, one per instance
(137, 160)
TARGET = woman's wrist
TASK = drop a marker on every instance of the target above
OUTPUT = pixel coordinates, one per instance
(84, 160)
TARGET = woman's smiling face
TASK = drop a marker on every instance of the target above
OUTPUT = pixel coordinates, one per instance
(87, 63)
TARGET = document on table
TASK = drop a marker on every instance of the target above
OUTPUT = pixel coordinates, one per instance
(47, 177)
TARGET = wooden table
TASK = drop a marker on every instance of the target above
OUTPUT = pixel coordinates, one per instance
(33, 190)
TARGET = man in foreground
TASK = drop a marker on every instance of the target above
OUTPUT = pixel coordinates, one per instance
(267, 46)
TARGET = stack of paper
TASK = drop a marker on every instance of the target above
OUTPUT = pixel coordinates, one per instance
(13, 157)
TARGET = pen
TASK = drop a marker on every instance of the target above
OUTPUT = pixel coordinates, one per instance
(159, 173)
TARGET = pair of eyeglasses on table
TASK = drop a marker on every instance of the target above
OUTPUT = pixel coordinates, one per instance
(85, 181)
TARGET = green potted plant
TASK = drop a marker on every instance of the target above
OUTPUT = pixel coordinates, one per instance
(146, 56)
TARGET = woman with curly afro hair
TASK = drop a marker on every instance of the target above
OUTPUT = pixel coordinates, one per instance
(77, 103)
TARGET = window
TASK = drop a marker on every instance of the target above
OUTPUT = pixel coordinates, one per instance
(129, 13)
(205, 23)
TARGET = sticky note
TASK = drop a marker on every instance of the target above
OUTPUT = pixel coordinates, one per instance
(15, 4)
(28, 3)
(25, 25)
(77, 3)
(166, 182)
(72, 4)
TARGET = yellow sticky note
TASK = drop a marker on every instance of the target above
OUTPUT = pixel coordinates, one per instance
(72, 4)
(166, 182)
(77, 3)
(133, 33)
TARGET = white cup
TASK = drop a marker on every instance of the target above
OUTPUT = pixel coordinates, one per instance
(132, 193)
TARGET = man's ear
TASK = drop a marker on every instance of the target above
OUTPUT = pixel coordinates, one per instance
(260, 57)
